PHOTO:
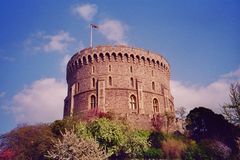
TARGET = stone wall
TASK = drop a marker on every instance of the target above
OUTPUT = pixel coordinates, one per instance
(112, 75)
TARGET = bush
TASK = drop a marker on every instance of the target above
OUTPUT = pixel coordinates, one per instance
(153, 153)
(72, 147)
(173, 148)
(216, 149)
(109, 134)
(137, 143)
(155, 139)
(82, 131)
(27, 142)
(196, 152)
(59, 126)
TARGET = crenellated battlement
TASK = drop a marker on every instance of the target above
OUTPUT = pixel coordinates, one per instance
(117, 53)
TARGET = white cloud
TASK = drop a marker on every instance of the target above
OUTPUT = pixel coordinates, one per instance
(86, 11)
(114, 31)
(212, 95)
(49, 43)
(42, 101)
(58, 42)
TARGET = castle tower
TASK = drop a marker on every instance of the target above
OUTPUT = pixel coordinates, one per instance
(120, 79)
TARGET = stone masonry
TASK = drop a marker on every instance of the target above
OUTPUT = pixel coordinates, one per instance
(121, 79)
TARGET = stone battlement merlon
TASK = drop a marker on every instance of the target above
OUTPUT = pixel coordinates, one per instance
(103, 52)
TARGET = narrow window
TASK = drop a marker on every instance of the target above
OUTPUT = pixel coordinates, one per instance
(152, 72)
(78, 87)
(133, 105)
(93, 82)
(155, 105)
(93, 69)
(153, 86)
(131, 70)
(132, 82)
(109, 68)
(93, 102)
(110, 81)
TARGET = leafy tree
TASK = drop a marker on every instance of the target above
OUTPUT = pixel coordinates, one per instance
(137, 143)
(155, 139)
(27, 142)
(73, 148)
(109, 134)
(82, 131)
(196, 151)
(232, 110)
(59, 126)
(203, 123)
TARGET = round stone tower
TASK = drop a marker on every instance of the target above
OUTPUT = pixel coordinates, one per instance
(120, 79)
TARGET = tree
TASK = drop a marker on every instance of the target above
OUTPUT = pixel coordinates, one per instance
(137, 143)
(73, 148)
(27, 142)
(109, 134)
(203, 123)
(181, 113)
(232, 110)
(169, 120)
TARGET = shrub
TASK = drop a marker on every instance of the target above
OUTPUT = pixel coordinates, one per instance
(59, 126)
(217, 149)
(173, 148)
(27, 141)
(72, 147)
(153, 153)
(137, 143)
(155, 139)
(109, 134)
(196, 152)
(82, 131)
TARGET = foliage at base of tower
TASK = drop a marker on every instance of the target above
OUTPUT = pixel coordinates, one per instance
(72, 147)
(173, 148)
(27, 142)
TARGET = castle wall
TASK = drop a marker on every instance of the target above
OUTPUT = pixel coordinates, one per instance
(111, 75)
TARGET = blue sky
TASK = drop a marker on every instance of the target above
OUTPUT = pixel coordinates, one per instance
(200, 39)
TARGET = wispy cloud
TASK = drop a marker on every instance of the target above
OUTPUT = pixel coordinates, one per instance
(212, 95)
(86, 11)
(49, 43)
(114, 31)
(42, 101)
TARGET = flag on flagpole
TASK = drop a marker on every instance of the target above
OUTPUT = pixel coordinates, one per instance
(94, 26)
(91, 28)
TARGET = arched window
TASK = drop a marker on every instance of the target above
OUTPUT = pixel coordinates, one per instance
(153, 86)
(155, 105)
(132, 82)
(133, 105)
(93, 102)
(84, 61)
(110, 81)
(93, 82)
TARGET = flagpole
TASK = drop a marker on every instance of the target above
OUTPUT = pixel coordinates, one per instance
(90, 35)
